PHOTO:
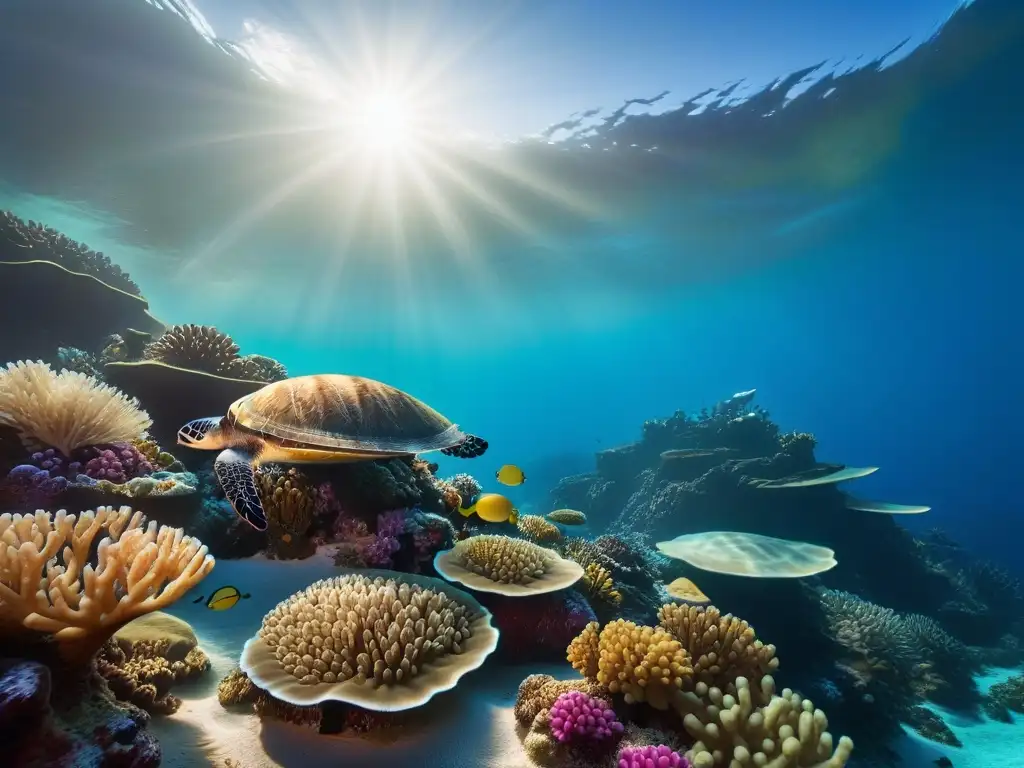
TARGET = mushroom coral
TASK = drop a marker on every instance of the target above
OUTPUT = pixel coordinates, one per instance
(382, 640)
(506, 566)
(48, 585)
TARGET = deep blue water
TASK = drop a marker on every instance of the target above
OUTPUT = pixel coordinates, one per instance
(857, 258)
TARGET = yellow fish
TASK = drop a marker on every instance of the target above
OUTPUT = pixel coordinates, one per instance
(510, 474)
(685, 590)
(223, 598)
(493, 508)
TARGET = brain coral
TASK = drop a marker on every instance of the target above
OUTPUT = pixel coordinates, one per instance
(507, 566)
(382, 640)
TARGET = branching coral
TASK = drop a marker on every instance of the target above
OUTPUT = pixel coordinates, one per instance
(784, 732)
(538, 529)
(195, 347)
(66, 410)
(722, 647)
(47, 583)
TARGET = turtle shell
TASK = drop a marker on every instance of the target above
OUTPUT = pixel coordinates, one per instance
(343, 413)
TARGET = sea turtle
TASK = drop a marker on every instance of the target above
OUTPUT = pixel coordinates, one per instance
(323, 419)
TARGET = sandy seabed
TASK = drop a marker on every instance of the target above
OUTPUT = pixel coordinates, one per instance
(469, 727)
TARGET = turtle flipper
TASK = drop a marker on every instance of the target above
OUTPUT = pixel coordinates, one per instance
(234, 470)
(469, 448)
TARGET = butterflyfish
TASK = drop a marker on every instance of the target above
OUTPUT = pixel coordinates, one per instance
(492, 508)
(510, 474)
(223, 598)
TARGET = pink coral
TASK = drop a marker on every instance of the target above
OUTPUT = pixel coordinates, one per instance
(651, 757)
(390, 525)
(575, 716)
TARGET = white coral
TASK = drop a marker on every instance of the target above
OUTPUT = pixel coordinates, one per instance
(66, 410)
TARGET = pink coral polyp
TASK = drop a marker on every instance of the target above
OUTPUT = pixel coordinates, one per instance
(651, 757)
(577, 717)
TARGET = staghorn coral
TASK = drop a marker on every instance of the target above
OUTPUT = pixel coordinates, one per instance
(48, 585)
(731, 729)
(721, 648)
(66, 410)
(196, 348)
(642, 663)
(290, 503)
(536, 528)
(507, 566)
(599, 585)
(387, 642)
(539, 692)
(236, 689)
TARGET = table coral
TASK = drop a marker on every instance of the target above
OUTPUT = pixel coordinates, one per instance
(137, 570)
(379, 639)
(506, 566)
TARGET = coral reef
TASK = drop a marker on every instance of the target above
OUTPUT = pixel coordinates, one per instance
(1005, 697)
(538, 529)
(142, 663)
(387, 642)
(36, 241)
(66, 410)
(466, 486)
(138, 570)
(195, 347)
(289, 501)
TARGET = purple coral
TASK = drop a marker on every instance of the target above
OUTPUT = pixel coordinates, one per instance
(651, 757)
(575, 716)
(56, 463)
(390, 525)
(117, 463)
(32, 486)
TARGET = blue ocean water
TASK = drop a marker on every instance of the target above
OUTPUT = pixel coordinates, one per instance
(853, 251)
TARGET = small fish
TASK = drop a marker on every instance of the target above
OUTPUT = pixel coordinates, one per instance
(685, 590)
(944, 762)
(510, 474)
(492, 508)
(223, 598)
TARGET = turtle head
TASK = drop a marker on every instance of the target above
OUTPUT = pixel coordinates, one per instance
(209, 434)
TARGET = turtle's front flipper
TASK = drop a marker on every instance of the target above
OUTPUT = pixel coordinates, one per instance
(469, 448)
(234, 470)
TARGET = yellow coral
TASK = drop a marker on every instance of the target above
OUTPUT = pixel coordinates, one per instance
(66, 410)
(644, 663)
(538, 529)
(722, 647)
(783, 732)
(599, 584)
(138, 570)
(584, 651)
(236, 688)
